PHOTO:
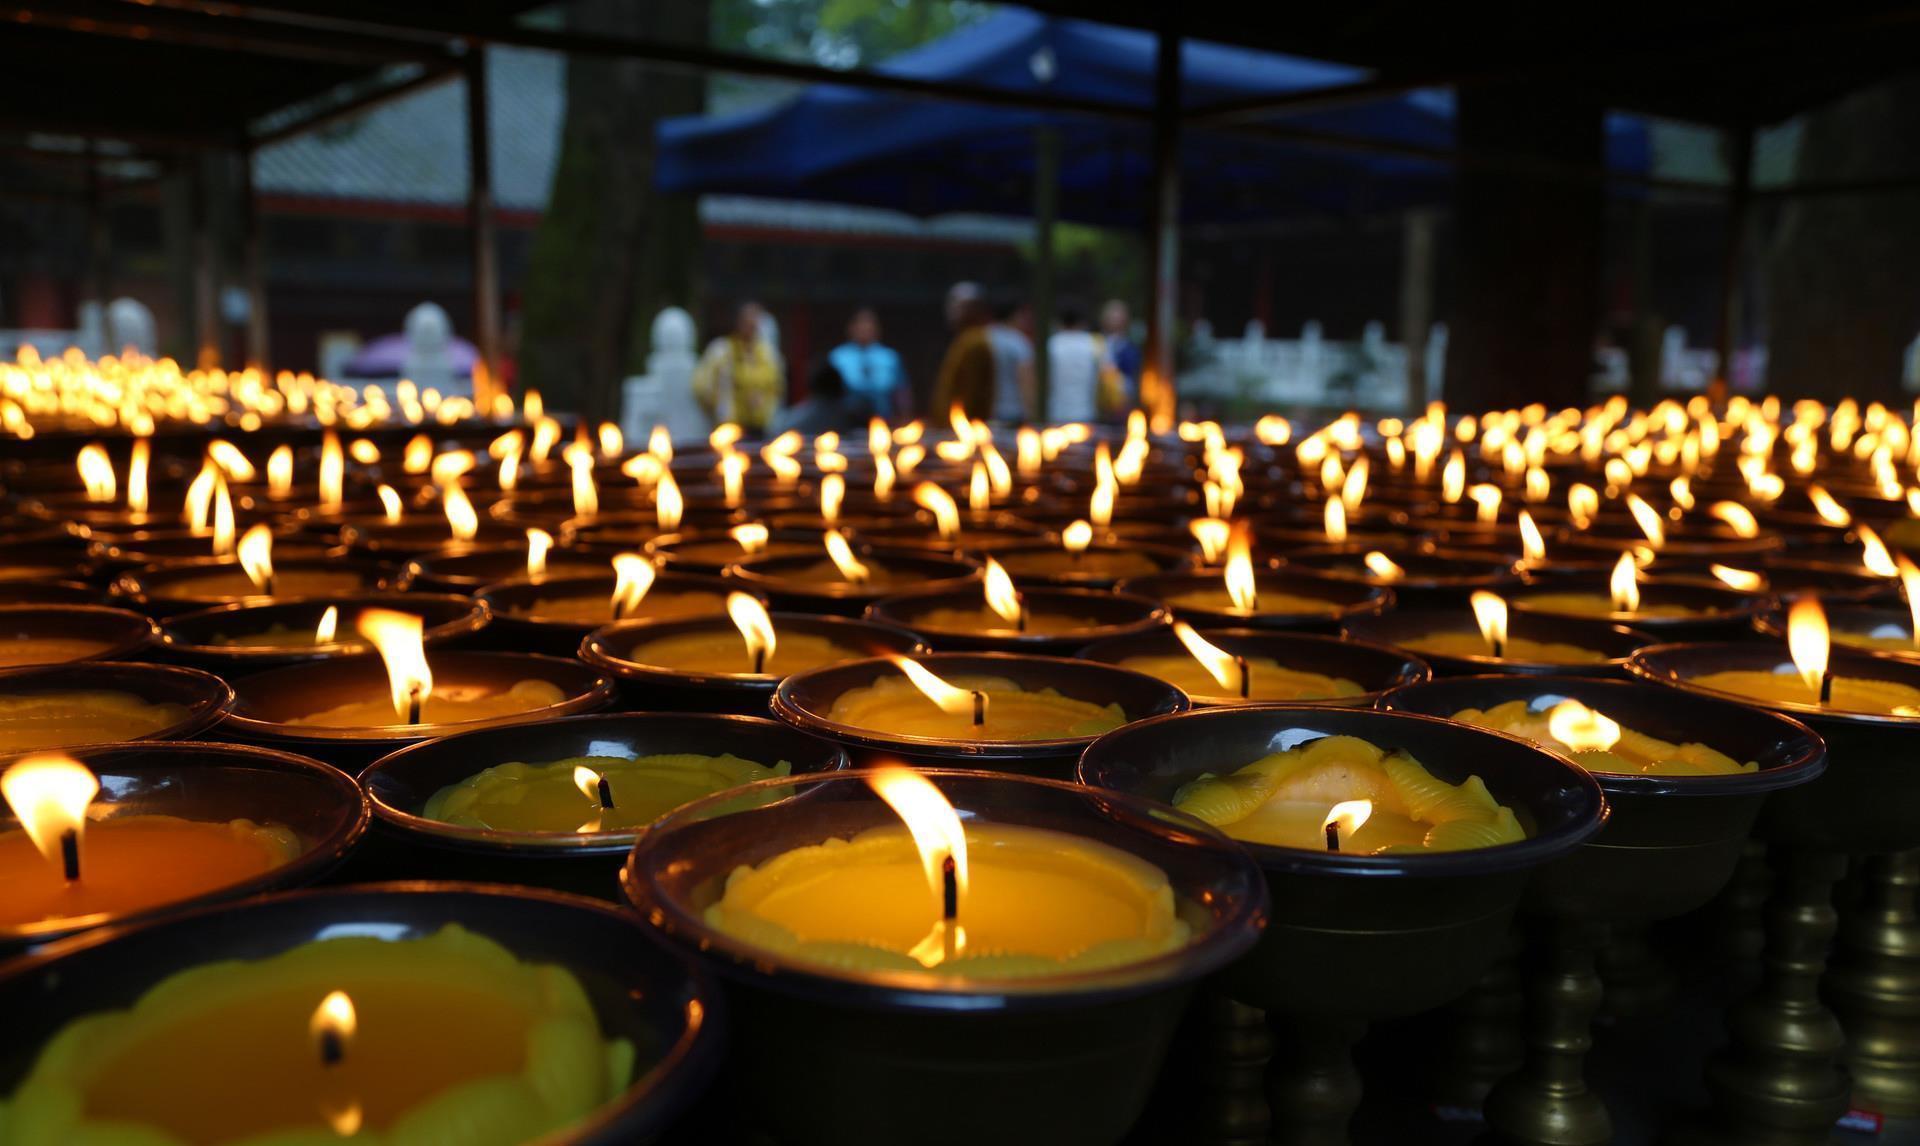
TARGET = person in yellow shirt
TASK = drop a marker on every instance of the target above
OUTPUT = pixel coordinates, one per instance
(741, 377)
(966, 373)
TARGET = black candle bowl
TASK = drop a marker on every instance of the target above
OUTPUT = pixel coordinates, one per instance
(775, 579)
(1671, 842)
(1849, 622)
(188, 586)
(806, 700)
(466, 568)
(1343, 599)
(269, 706)
(662, 688)
(1367, 936)
(1833, 581)
(550, 615)
(1869, 798)
(1090, 616)
(1717, 613)
(1612, 643)
(405, 844)
(1375, 668)
(1684, 541)
(169, 546)
(118, 634)
(205, 639)
(1430, 578)
(1102, 565)
(214, 783)
(640, 991)
(1061, 1060)
(44, 561)
(203, 697)
(50, 593)
(401, 541)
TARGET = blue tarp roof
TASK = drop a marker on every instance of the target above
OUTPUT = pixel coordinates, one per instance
(931, 157)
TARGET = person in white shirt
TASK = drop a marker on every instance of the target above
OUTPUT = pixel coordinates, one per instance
(1010, 337)
(1073, 370)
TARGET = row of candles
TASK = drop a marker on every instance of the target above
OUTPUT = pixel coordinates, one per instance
(1031, 621)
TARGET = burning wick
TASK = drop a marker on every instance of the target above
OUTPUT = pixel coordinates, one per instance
(979, 708)
(415, 697)
(1353, 813)
(332, 1025)
(1246, 676)
(49, 795)
(70, 854)
(950, 886)
(1333, 835)
(594, 785)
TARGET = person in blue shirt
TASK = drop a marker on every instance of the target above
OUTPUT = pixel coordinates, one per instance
(872, 371)
(1123, 353)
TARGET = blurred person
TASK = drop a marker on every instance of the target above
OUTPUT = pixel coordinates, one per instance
(1123, 353)
(871, 369)
(1074, 363)
(827, 406)
(1010, 336)
(741, 377)
(966, 373)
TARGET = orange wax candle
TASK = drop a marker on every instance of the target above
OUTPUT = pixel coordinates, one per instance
(29, 650)
(985, 620)
(726, 652)
(598, 610)
(133, 862)
(286, 583)
(449, 704)
(33, 720)
(893, 705)
(827, 573)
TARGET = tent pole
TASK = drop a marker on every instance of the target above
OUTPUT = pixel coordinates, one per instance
(480, 230)
(1163, 235)
(253, 262)
(1046, 206)
(1739, 199)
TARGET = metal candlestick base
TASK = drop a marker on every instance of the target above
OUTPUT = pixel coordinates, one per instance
(1312, 1086)
(1875, 986)
(1739, 919)
(1779, 1082)
(1548, 1102)
(1237, 1049)
(1482, 1040)
(1638, 981)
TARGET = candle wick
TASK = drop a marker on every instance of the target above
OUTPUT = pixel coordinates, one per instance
(267, 584)
(414, 701)
(606, 793)
(979, 708)
(1246, 677)
(332, 1048)
(1333, 835)
(949, 889)
(1020, 599)
(1826, 686)
(759, 661)
(70, 854)
(1499, 648)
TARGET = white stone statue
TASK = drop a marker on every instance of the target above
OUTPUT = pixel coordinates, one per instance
(663, 396)
(130, 325)
(429, 361)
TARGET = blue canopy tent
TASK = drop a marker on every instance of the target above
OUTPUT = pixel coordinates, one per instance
(929, 157)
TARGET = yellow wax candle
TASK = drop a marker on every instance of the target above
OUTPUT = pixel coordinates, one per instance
(33, 573)
(449, 704)
(827, 573)
(1269, 601)
(1634, 753)
(276, 636)
(286, 583)
(27, 650)
(1115, 563)
(546, 797)
(1890, 638)
(1601, 605)
(598, 610)
(1850, 693)
(893, 705)
(726, 552)
(1038, 903)
(456, 1041)
(34, 720)
(725, 652)
(1267, 679)
(1518, 649)
(1284, 799)
(985, 620)
(134, 862)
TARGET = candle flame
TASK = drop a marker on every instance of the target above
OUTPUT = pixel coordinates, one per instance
(1830, 510)
(833, 491)
(1350, 815)
(1874, 554)
(940, 503)
(333, 1024)
(1745, 580)
(1624, 584)
(756, 627)
(1582, 729)
(1027, 455)
(1737, 517)
(1486, 499)
(1212, 534)
(333, 468)
(228, 457)
(461, 517)
(390, 504)
(669, 507)
(660, 443)
(1335, 520)
(586, 495)
(329, 624)
(96, 472)
(1002, 597)
(1383, 567)
(633, 575)
(979, 490)
(539, 543)
(1808, 642)
(417, 458)
(1490, 613)
(612, 442)
(1105, 489)
(588, 781)
(884, 476)
(1353, 489)
(1453, 478)
(49, 795)
(223, 526)
(280, 471)
(1910, 586)
(1533, 547)
(1682, 490)
(1539, 485)
(1220, 664)
(137, 475)
(1241, 587)
(950, 699)
(1648, 519)
(1583, 501)
(843, 559)
(752, 537)
(256, 556)
(733, 478)
(398, 637)
(725, 436)
(941, 839)
(910, 455)
(1076, 537)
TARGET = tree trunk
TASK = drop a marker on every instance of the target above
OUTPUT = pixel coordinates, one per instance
(610, 251)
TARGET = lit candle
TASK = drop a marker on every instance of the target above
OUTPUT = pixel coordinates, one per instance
(1211, 674)
(413, 699)
(972, 707)
(565, 795)
(1599, 743)
(1809, 680)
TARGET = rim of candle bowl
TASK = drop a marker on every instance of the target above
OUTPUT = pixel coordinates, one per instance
(1347, 598)
(205, 696)
(1164, 559)
(417, 533)
(559, 636)
(805, 698)
(1110, 614)
(44, 561)
(1360, 931)
(126, 632)
(1376, 668)
(1684, 539)
(214, 782)
(267, 703)
(633, 529)
(1727, 612)
(1394, 628)
(188, 637)
(610, 648)
(148, 587)
(676, 550)
(766, 577)
(1847, 618)
(400, 783)
(50, 593)
(866, 1052)
(1833, 583)
(463, 567)
(1118, 529)
(640, 989)
(1433, 576)
(157, 547)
